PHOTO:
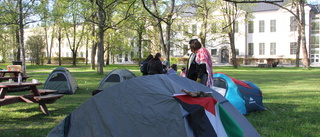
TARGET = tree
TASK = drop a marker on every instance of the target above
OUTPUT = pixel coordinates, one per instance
(230, 13)
(163, 12)
(19, 13)
(59, 10)
(138, 23)
(116, 43)
(111, 13)
(204, 9)
(35, 46)
(5, 42)
(45, 15)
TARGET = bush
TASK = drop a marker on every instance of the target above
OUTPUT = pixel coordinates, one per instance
(66, 60)
(178, 60)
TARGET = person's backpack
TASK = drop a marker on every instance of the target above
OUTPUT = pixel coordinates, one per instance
(143, 67)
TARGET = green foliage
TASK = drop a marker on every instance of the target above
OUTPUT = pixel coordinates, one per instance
(66, 60)
(35, 46)
(178, 60)
(290, 95)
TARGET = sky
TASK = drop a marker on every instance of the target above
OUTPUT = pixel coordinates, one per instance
(313, 1)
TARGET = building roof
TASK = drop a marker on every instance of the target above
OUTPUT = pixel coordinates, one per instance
(258, 7)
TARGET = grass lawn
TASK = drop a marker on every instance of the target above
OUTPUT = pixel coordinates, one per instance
(291, 96)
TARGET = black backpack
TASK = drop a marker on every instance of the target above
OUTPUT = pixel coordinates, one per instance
(143, 67)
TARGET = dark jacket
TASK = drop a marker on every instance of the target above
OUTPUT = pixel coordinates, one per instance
(195, 70)
(155, 66)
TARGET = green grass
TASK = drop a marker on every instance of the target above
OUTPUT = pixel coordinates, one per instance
(291, 96)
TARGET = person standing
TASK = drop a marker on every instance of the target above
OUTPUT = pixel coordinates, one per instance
(199, 65)
(144, 65)
(155, 65)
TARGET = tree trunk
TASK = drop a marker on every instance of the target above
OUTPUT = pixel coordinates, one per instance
(139, 46)
(93, 55)
(46, 41)
(306, 62)
(101, 17)
(74, 57)
(59, 41)
(299, 37)
(87, 49)
(94, 43)
(167, 46)
(18, 52)
(21, 41)
(203, 34)
(51, 46)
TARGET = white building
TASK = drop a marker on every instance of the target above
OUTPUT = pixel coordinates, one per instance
(269, 33)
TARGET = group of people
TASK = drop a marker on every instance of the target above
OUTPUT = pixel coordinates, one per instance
(199, 67)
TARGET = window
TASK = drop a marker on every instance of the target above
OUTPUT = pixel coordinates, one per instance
(315, 27)
(194, 29)
(261, 48)
(293, 48)
(273, 26)
(236, 27)
(315, 42)
(293, 23)
(213, 52)
(273, 48)
(250, 49)
(185, 29)
(237, 51)
(214, 28)
(250, 27)
(261, 26)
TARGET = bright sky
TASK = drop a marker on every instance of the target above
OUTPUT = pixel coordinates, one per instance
(313, 1)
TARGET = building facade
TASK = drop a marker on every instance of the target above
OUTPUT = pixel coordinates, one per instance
(264, 32)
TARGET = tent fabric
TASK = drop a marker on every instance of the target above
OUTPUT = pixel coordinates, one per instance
(114, 77)
(244, 95)
(62, 80)
(141, 107)
(252, 96)
(231, 91)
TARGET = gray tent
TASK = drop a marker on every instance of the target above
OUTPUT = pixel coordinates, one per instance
(114, 77)
(143, 107)
(62, 80)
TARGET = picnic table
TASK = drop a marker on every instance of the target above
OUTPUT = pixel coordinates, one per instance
(37, 96)
(13, 74)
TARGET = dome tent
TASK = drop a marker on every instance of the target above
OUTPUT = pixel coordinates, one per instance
(145, 106)
(244, 95)
(62, 80)
(114, 77)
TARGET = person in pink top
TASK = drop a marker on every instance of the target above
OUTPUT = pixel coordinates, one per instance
(199, 67)
(183, 72)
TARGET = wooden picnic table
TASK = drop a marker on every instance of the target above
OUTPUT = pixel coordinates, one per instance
(14, 75)
(35, 97)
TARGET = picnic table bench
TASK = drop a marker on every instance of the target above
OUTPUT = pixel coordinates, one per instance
(12, 75)
(42, 98)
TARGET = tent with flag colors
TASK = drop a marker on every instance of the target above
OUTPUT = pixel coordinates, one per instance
(154, 105)
(244, 95)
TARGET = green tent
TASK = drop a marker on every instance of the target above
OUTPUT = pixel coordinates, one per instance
(62, 80)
